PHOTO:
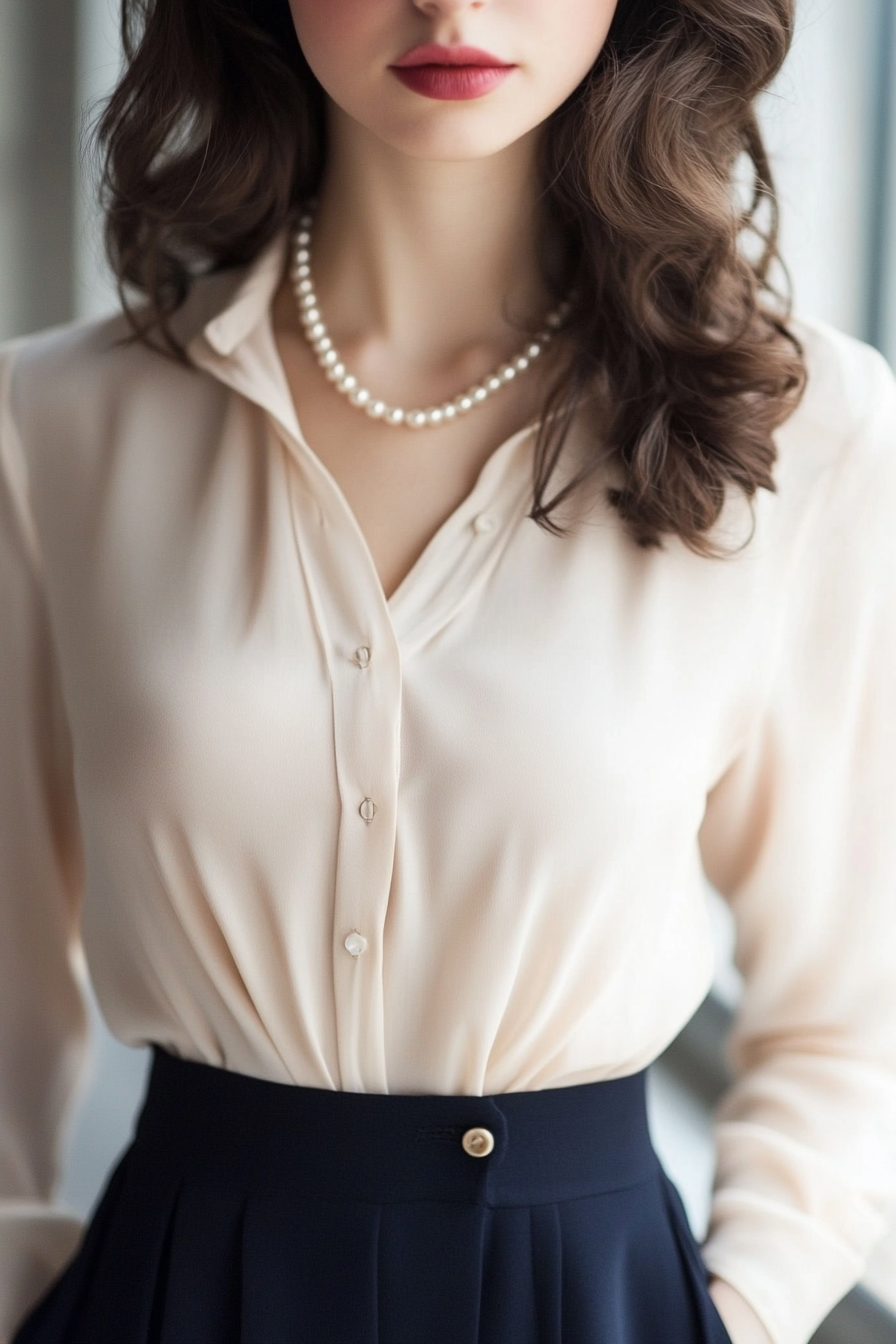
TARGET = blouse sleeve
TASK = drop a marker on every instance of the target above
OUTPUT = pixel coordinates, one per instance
(42, 1011)
(800, 837)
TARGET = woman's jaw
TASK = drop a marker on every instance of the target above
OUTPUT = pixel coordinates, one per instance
(451, 79)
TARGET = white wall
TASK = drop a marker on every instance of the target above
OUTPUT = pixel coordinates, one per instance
(815, 120)
(11, 110)
(99, 60)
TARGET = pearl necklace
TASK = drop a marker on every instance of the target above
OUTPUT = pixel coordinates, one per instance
(330, 361)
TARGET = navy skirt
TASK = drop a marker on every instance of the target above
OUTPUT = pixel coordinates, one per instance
(251, 1212)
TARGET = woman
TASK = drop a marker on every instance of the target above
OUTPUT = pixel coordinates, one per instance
(377, 752)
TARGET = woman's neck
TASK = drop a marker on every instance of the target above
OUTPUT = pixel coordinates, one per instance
(428, 257)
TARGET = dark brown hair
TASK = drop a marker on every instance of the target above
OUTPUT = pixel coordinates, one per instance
(217, 131)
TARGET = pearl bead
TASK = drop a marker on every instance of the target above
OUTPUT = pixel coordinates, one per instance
(346, 383)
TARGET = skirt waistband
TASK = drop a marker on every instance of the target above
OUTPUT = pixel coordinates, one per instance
(214, 1126)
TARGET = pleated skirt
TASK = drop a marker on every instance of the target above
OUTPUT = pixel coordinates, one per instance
(251, 1212)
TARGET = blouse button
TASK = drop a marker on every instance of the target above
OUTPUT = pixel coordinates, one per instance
(367, 810)
(355, 944)
(478, 1142)
(362, 656)
(483, 523)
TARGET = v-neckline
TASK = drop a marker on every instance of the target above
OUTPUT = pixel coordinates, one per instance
(255, 369)
(477, 499)
(487, 480)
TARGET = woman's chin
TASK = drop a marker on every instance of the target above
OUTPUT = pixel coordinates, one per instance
(448, 132)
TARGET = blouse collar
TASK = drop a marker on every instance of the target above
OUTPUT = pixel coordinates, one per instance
(250, 302)
(227, 331)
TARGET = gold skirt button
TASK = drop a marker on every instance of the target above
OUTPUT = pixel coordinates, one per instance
(478, 1142)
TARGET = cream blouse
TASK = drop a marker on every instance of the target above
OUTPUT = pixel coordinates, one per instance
(452, 842)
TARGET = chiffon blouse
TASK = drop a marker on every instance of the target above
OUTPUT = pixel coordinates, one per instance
(456, 841)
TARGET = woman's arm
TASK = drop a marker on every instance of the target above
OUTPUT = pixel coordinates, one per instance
(800, 837)
(42, 1018)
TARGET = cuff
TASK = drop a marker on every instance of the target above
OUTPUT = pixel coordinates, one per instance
(36, 1240)
(791, 1270)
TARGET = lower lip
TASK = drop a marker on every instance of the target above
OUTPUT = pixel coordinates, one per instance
(452, 83)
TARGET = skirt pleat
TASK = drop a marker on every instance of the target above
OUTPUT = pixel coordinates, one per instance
(127, 1282)
(437, 1247)
(547, 1264)
(199, 1289)
(248, 1212)
(508, 1257)
(711, 1326)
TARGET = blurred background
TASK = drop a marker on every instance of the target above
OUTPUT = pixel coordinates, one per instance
(830, 122)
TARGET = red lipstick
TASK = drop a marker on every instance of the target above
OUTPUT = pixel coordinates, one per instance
(450, 74)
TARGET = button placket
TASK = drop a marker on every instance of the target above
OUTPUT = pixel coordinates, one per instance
(365, 637)
(366, 708)
(470, 546)
(364, 663)
(483, 1147)
(355, 944)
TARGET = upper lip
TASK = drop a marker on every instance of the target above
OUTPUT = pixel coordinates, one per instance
(431, 53)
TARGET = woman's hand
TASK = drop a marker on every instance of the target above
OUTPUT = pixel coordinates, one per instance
(741, 1321)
